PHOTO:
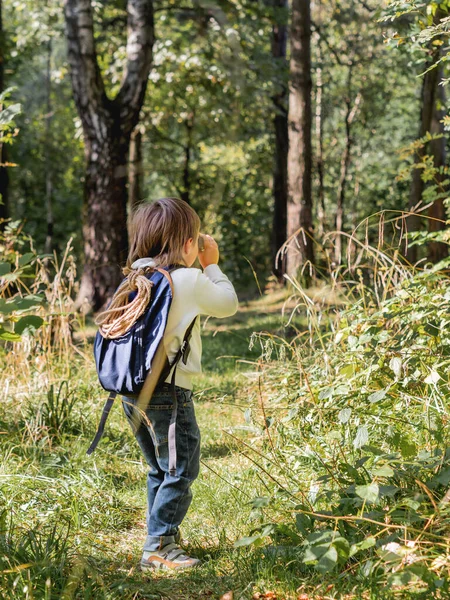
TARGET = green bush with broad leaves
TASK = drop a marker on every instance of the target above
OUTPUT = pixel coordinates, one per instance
(16, 303)
(354, 417)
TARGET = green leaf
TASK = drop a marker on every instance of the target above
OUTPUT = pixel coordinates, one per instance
(7, 93)
(396, 365)
(328, 561)
(433, 377)
(383, 471)
(377, 396)
(25, 259)
(326, 393)
(362, 437)
(28, 324)
(344, 415)
(9, 336)
(247, 541)
(443, 477)
(260, 501)
(401, 579)
(290, 533)
(432, 328)
(4, 268)
(28, 302)
(303, 523)
(8, 114)
(369, 493)
(320, 537)
(314, 553)
(347, 371)
(367, 543)
(342, 546)
(6, 308)
(407, 448)
(12, 276)
(388, 490)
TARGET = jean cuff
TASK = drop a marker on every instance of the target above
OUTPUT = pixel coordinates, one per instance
(157, 542)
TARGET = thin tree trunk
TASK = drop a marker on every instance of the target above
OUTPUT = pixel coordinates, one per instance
(186, 190)
(48, 160)
(437, 213)
(300, 222)
(107, 126)
(430, 84)
(280, 122)
(135, 171)
(345, 163)
(4, 178)
(319, 142)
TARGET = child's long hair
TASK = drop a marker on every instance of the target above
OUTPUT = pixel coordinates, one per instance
(159, 230)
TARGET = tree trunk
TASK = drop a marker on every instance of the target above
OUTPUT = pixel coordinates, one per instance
(437, 213)
(299, 220)
(4, 178)
(280, 122)
(319, 141)
(135, 171)
(105, 203)
(107, 126)
(345, 163)
(186, 189)
(430, 84)
(48, 160)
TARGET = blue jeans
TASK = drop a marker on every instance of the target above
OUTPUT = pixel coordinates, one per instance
(169, 496)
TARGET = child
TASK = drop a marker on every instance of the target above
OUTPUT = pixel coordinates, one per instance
(165, 233)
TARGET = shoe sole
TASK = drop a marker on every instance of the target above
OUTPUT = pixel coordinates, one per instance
(167, 567)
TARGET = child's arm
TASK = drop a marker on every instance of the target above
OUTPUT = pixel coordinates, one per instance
(215, 294)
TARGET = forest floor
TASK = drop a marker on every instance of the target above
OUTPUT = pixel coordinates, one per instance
(220, 512)
(73, 526)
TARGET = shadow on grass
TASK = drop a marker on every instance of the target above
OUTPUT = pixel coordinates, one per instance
(218, 450)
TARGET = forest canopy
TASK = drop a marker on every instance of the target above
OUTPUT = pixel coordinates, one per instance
(213, 126)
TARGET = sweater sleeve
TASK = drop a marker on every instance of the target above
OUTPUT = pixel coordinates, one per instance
(215, 294)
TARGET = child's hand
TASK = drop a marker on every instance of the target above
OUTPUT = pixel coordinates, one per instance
(210, 255)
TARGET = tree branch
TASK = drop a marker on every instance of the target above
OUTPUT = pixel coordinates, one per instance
(87, 82)
(139, 59)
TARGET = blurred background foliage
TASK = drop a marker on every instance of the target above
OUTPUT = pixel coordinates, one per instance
(207, 122)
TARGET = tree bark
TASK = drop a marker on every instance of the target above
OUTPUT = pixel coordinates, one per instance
(107, 127)
(352, 109)
(319, 138)
(300, 222)
(4, 178)
(186, 189)
(437, 213)
(135, 171)
(280, 122)
(48, 160)
(428, 103)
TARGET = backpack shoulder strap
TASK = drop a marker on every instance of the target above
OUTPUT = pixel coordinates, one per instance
(101, 426)
(167, 276)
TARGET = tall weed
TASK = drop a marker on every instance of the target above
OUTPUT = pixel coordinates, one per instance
(353, 421)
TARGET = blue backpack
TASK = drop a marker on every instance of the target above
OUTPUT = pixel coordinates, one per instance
(134, 363)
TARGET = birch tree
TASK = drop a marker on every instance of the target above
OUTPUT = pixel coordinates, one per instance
(107, 127)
